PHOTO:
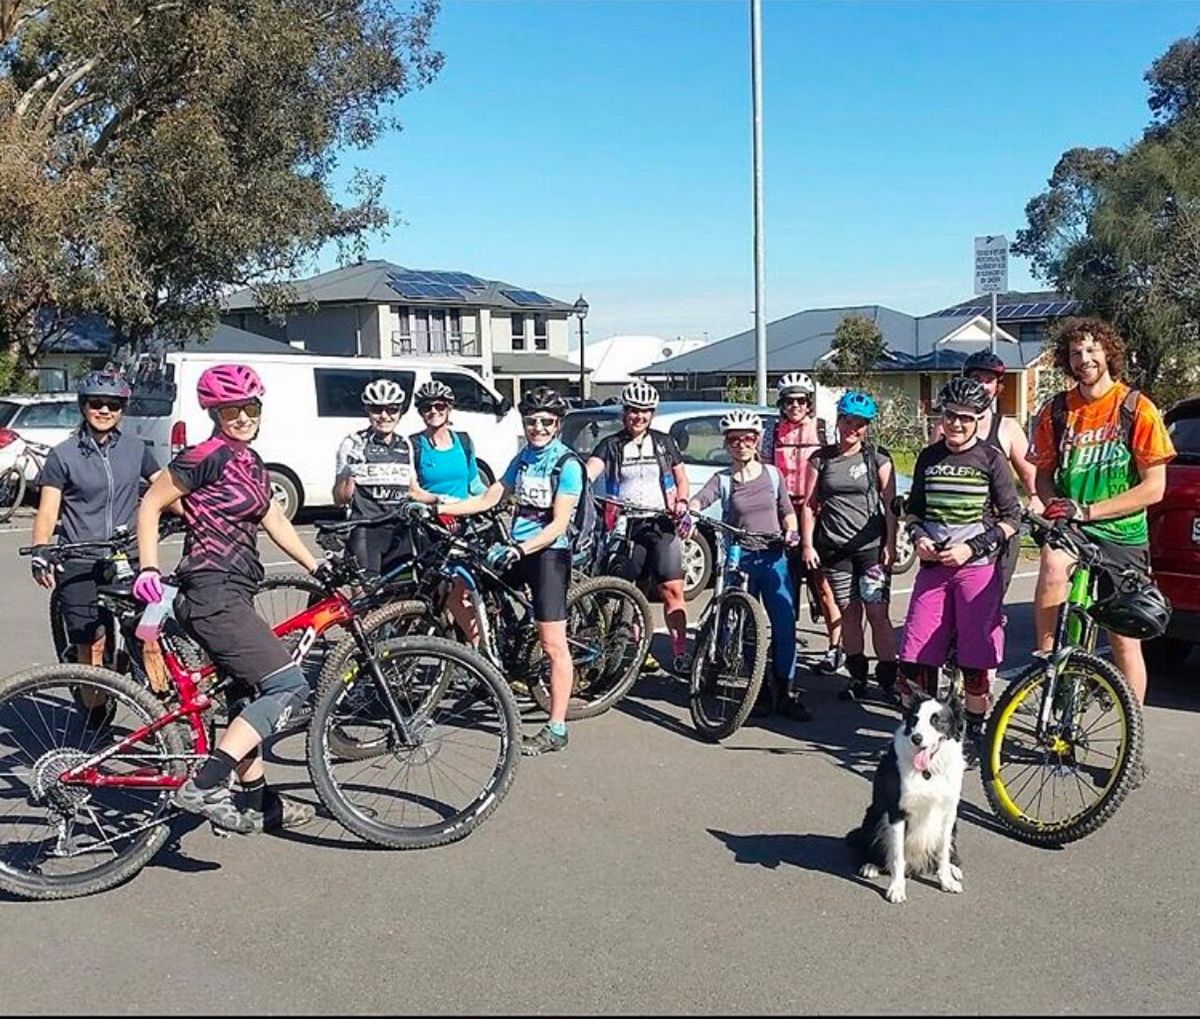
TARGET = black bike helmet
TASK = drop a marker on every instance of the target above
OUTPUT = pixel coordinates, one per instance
(1136, 607)
(432, 392)
(103, 383)
(964, 392)
(984, 361)
(544, 399)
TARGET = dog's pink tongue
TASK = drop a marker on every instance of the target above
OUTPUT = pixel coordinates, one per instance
(921, 759)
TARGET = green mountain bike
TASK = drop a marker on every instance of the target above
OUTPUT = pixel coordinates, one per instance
(1064, 742)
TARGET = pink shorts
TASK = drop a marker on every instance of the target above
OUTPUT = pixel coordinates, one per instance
(948, 602)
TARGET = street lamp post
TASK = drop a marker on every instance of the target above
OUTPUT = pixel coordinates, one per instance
(581, 309)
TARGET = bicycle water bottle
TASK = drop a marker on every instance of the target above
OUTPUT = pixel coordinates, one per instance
(151, 621)
(121, 568)
(871, 584)
(733, 559)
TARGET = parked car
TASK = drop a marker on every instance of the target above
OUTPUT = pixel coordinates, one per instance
(48, 418)
(1175, 541)
(312, 403)
(696, 428)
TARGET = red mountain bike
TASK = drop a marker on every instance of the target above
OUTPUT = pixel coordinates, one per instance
(85, 795)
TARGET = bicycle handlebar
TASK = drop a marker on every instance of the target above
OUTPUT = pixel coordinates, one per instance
(1063, 535)
(769, 537)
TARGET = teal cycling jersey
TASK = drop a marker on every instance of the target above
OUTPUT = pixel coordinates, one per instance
(530, 476)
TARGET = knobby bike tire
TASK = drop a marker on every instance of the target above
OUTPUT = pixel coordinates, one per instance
(397, 619)
(1106, 678)
(139, 849)
(483, 684)
(753, 614)
(12, 491)
(597, 686)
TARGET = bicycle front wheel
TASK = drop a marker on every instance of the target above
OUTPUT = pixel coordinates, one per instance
(439, 781)
(728, 665)
(1056, 785)
(608, 634)
(12, 491)
(61, 840)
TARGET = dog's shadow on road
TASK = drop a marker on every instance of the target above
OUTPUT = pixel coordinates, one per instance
(827, 854)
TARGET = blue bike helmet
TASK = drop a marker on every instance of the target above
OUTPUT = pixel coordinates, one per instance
(861, 405)
(103, 383)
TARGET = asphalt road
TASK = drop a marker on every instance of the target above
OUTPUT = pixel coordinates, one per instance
(642, 871)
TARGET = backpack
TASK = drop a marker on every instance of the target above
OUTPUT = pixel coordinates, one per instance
(581, 531)
(725, 483)
(468, 450)
(612, 452)
(1058, 422)
(772, 444)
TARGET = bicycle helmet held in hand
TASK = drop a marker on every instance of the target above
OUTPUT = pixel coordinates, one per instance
(103, 383)
(741, 421)
(964, 392)
(640, 396)
(382, 392)
(433, 391)
(224, 384)
(544, 399)
(984, 361)
(858, 404)
(795, 384)
(1136, 608)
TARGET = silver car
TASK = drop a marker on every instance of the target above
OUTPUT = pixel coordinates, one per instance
(696, 428)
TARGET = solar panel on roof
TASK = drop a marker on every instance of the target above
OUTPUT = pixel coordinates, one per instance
(459, 279)
(1021, 310)
(528, 298)
(409, 288)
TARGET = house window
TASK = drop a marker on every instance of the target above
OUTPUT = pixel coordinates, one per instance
(402, 342)
(518, 331)
(540, 338)
(1031, 332)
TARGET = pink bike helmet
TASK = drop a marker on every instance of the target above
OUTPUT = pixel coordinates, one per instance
(224, 384)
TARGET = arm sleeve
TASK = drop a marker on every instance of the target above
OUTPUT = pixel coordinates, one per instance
(149, 464)
(710, 493)
(1151, 443)
(54, 473)
(916, 495)
(1041, 448)
(570, 480)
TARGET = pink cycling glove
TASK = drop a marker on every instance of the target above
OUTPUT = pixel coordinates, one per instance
(148, 586)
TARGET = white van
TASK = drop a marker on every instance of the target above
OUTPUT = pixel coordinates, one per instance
(312, 403)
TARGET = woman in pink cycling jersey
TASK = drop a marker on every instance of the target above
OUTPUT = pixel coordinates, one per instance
(226, 497)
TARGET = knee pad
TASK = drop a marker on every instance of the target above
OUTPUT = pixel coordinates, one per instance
(279, 696)
(857, 666)
(975, 682)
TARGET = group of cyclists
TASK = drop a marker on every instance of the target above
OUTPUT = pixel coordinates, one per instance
(823, 502)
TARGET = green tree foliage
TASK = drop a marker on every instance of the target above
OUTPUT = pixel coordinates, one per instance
(1120, 231)
(857, 345)
(154, 154)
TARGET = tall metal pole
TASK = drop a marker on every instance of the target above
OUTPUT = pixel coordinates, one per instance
(760, 322)
(993, 321)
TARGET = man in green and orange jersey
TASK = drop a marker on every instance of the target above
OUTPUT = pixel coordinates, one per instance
(1101, 452)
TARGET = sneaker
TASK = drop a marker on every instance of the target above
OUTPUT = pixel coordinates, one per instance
(216, 804)
(281, 812)
(973, 740)
(650, 663)
(853, 690)
(833, 660)
(542, 742)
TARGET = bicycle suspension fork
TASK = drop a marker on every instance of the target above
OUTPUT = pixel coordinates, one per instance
(377, 677)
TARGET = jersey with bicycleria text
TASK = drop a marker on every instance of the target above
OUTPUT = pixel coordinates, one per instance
(1096, 462)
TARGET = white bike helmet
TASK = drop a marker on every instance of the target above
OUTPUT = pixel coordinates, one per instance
(382, 392)
(640, 395)
(741, 421)
(796, 384)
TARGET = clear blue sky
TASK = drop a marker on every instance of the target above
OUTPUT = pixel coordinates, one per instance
(605, 147)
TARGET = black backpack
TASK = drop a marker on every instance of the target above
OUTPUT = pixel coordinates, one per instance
(581, 532)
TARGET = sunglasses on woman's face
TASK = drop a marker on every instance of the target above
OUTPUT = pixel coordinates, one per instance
(742, 440)
(537, 421)
(112, 403)
(229, 414)
(439, 405)
(950, 417)
(789, 400)
(391, 409)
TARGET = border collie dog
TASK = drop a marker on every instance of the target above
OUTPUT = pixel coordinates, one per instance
(910, 826)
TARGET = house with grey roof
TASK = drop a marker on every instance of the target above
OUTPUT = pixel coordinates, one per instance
(511, 335)
(922, 351)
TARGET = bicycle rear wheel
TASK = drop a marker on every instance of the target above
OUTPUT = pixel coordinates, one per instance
(12, 491)
(608, 634)
(59, 841)
(461, 760)
(728, 665)
(1064, 784)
